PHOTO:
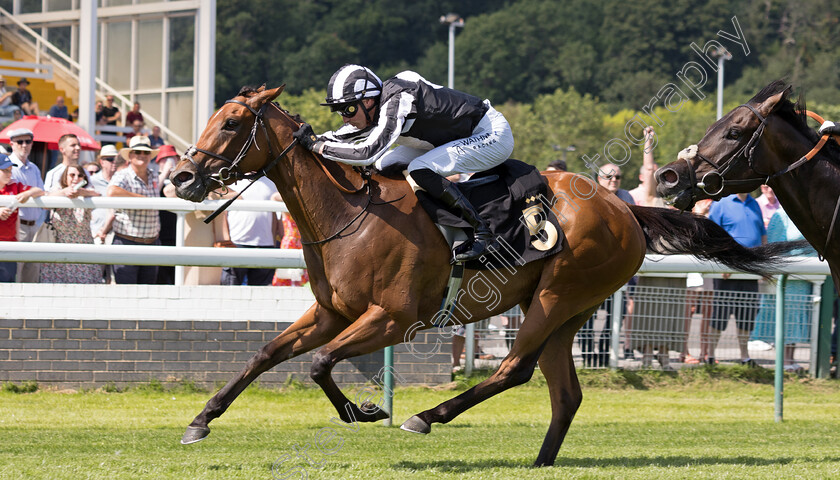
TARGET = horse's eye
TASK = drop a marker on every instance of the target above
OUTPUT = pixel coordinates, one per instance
(733, 134)
(231, 124)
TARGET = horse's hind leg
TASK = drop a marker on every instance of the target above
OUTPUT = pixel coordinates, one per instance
(316, 327)
(516, 368)
(559, 369)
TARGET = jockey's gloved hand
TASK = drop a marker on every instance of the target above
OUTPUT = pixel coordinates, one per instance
(306, 137)
(829, 128)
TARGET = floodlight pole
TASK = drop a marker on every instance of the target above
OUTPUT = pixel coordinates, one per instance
(722, 56)
(454, 21)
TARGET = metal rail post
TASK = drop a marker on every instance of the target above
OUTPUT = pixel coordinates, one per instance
(389, 385)
(778, 399)
(617, 320)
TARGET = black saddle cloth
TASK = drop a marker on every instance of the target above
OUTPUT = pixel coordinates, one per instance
(508, 197)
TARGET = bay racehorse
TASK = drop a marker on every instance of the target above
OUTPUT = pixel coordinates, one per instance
(375, 260)
(766, 141)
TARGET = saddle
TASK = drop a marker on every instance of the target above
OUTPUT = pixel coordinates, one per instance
(512, 198)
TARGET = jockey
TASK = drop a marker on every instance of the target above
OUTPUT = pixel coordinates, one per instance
(439, 132)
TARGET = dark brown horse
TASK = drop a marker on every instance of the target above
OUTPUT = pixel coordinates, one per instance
(763, 141)
(375, 280)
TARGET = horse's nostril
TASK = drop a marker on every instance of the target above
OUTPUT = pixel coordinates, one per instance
(668, 177)
(182, 178)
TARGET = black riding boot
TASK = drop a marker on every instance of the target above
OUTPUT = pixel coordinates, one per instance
(483, 238)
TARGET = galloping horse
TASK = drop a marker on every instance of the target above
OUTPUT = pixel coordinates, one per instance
(375, 259)
(766, 141)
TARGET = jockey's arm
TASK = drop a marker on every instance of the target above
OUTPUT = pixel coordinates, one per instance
(380, 138)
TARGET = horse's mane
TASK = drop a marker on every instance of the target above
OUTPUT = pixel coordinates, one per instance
(248, 92)
(789, 111)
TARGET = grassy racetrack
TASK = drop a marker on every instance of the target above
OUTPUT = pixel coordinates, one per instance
(654, 426)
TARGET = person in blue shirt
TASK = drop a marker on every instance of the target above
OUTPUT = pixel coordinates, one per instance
(741, 217)
(59, 110)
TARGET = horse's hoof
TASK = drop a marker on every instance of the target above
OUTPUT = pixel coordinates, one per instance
(416, 425)
(373, 412)
(194, 434)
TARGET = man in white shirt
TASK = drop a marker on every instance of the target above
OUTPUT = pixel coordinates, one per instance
(251, 230)
(27, 173)
(70, 150)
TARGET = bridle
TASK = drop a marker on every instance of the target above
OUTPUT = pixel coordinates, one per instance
(746, 153)
(232, 171)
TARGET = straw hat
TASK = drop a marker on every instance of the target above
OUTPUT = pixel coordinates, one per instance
(108, 151)
(138, 142)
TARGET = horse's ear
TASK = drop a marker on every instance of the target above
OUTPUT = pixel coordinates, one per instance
(264, 96)
(768, 105)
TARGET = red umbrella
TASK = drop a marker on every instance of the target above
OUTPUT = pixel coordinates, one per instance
(49, 130)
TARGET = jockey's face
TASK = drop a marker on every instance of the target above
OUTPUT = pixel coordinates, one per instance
(359, 120)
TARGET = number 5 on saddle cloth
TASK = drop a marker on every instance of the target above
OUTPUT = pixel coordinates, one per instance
(515, 200)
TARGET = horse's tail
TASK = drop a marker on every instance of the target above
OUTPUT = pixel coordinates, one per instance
(670, 232)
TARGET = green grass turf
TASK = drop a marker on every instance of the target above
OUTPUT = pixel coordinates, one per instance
(645, 426)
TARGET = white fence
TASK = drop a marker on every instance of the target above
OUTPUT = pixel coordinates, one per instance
(607, 339)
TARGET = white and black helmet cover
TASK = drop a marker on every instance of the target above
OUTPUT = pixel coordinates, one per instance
(352, 83)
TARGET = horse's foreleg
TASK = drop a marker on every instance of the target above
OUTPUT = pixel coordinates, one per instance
(515, 369)
(315, 328)
(374, 330)
(557, 365)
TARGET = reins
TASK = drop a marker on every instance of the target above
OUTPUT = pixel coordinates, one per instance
(232, 171)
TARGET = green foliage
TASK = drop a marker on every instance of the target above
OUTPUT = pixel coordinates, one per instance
(307, 105)
(25, 387)
(560, 119)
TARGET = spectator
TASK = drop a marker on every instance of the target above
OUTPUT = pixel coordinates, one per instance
(99, 113)
(556, 165)
(155, 138)
(740, 216)
(92, 168)
(72, 225)
(23, 98)
(645, 193)
(7, 108)
(135, 227)
(163, 165)
(9, 215)
(698, 300)
(99, 183)
(59, 110)
(658, 321)
(110, 113)
(26, 173)
(609, 177)
(165, 162)
(136, 129)
(74, 115)
(70, 150)
(587, 338)
(768, 203)
(251, 230)
(134, 115)
(797, 298)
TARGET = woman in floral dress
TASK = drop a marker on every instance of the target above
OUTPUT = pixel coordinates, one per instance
(72, 225)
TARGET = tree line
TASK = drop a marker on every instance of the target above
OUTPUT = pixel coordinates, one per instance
(566, 74)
